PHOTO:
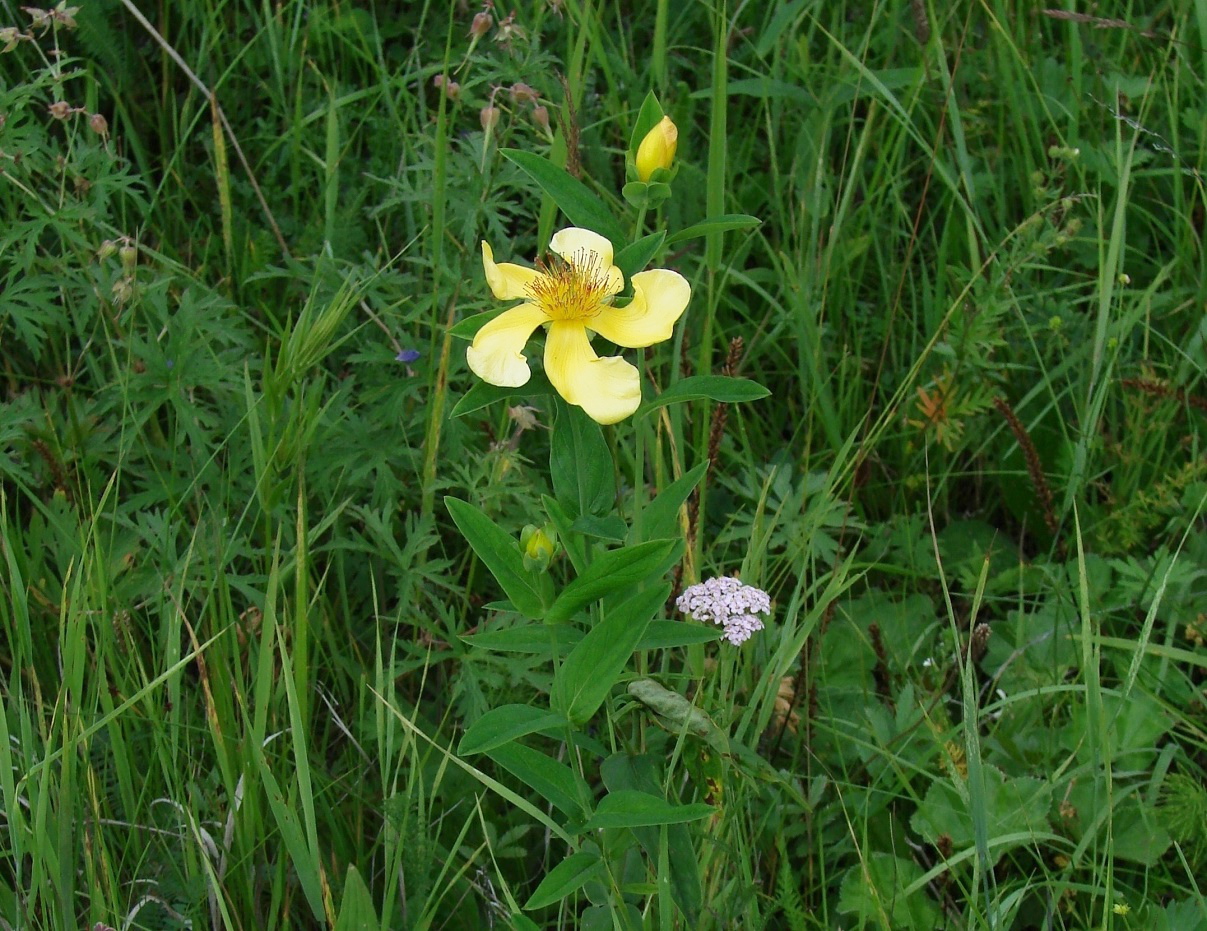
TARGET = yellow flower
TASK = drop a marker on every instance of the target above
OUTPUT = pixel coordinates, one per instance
(572, 293)
(657, 149)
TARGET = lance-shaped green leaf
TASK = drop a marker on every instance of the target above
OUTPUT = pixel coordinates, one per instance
(565, 878)
(469, 327)
(631, 808)
(482, 394)
(293, 838)
(504, 724)
(594, 666)
(574, 198)
(721, 224)
(580, 463)
(539, 639)
(610, 528)
(498, 551)
(671, 843)
(555, 782)
(636, 256)
(649, 116)
(356, 911)
(711, 387)
(660, 518)
(614, 571)
(666, 635)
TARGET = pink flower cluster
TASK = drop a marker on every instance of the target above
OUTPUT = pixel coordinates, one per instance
(729, 603)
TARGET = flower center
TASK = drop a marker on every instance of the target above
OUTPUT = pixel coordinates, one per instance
(570, 290)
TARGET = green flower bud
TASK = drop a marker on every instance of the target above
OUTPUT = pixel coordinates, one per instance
(539, 545)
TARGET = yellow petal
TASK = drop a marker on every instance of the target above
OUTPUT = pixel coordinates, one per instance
(659, 298)
(582, 247)
(572, 242)
(496, 355)
(507, 281)
(609, 390)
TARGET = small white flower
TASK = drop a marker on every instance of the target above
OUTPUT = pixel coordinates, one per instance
(728, 603)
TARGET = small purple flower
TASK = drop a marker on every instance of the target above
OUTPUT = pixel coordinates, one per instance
(728, 603)
(408, 355)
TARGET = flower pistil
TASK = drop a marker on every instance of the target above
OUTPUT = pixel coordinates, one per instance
(571, 289)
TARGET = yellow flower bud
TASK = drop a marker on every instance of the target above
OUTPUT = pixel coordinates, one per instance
(539, 545)
(657, 149)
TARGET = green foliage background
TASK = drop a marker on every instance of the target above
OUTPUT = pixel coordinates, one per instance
(235, 651)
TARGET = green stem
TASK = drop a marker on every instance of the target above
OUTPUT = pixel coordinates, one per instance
(436, 251)
(639, 467)
(659, 55)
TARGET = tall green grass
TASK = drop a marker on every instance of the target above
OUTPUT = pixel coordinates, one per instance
(231, 664)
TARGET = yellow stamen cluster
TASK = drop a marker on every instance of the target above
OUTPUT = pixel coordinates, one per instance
(570, 290)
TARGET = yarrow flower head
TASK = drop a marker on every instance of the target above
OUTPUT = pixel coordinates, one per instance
(728, 603)
(572, 292)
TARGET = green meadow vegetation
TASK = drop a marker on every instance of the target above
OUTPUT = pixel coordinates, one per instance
(304, 625)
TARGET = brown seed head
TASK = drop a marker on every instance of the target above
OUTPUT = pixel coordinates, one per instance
(452, 90)
(481, 25)
(521, 93)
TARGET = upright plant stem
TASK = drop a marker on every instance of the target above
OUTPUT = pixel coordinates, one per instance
(714, 207)
(431, 445)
